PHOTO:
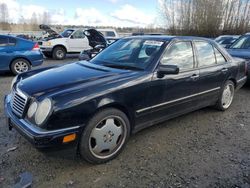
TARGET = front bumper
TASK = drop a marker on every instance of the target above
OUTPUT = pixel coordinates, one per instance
(46, 49)
(40, 138)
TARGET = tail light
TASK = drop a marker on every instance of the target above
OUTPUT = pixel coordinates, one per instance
(36, 47)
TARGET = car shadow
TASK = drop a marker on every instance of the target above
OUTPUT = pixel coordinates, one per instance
(6, 74)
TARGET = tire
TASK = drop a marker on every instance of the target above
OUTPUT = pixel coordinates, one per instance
(104, 136)
(59, 53)
(47, 54)
(19, 66)
(226, 96)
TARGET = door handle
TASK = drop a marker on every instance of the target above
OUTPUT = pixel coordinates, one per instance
(194, 76)
(224, 70)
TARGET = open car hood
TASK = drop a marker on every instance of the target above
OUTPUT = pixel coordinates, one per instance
(95, 38)
(51, 33)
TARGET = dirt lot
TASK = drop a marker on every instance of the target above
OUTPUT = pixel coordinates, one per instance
(205, 148)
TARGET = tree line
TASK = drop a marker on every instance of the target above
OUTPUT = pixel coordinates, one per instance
(206, 17)
(30, 24)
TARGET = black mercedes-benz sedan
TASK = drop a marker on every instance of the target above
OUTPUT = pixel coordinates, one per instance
(134, 83)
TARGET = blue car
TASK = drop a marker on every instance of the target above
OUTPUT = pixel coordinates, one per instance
(241, 49)
(18, 55)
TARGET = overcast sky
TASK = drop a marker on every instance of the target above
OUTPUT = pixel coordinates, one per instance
(124, 13)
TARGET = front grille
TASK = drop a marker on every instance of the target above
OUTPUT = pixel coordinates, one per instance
(18, 102)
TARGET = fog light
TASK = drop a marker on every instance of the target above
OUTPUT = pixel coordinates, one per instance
(69, 138)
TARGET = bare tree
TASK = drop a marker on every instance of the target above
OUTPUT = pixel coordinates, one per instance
(206, 17)
(4, 15)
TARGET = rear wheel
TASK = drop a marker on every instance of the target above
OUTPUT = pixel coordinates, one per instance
(19, 66)
(59, 53)
(226, 97)
(105, 136)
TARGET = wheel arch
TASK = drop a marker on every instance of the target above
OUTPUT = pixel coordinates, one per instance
(234, 81)
(19, 57)
(122, 108)
(60, 45)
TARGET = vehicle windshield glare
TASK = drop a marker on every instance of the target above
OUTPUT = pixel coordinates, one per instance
(134, 54)
(67, 33)
(242, 43)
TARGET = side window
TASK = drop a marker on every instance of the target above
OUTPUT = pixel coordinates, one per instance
(205, 54)
(3, 41)
(219, 57)
(78, 34)
(12, 42)
(180, 54)
(110, 34)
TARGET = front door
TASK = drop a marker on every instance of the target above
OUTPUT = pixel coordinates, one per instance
(78, 41)
(172, 95)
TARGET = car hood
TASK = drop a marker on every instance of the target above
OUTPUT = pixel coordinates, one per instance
(52, 33)
(95, 38)
(70, 76)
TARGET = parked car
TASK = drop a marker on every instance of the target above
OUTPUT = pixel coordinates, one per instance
(226, 40)
(132, 84)
(97, 42)
(241, 49)
(57, 45)
(109, 34)
(18, 55)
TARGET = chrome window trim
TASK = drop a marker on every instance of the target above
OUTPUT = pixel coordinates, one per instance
(176, 100)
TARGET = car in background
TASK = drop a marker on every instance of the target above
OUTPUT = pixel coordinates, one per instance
(56, 45)
(241, 49)
(18, 55)
(110, 35)
(226, 40)
(134, 83)
(97, 41)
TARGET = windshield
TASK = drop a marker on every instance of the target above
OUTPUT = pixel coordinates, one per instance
(242, 43)
(134, 54)
(67, 33)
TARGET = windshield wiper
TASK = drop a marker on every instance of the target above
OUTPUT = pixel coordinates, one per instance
(122, 66)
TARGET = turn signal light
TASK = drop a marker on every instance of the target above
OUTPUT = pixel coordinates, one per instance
(69, 138)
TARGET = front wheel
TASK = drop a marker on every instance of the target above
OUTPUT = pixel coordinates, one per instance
(226, 97)
(104, 136)
(59, 53)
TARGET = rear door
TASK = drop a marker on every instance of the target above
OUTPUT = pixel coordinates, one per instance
(175, 94)
(78, 41)
(5, 53)
(213, 71)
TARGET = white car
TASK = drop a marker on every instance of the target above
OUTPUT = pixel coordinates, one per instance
(58, 45)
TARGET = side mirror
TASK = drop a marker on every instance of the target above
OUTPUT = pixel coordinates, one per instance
(167, 69)
(71, 36)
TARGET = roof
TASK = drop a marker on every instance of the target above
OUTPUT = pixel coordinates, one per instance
(168, 37)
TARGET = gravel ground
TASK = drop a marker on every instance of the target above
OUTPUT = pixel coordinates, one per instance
(205, 148)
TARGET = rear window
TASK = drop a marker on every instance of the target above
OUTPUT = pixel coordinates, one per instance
(12, 41)
(3, 41)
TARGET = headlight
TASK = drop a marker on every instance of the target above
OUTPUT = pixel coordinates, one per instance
(43, 111)
(47, 43)
(13, 82)
(32, 109)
